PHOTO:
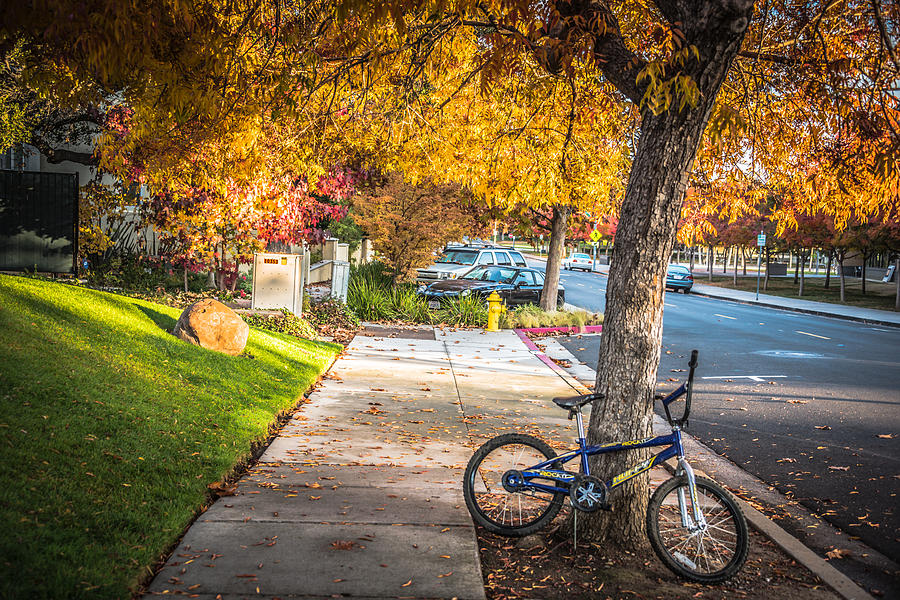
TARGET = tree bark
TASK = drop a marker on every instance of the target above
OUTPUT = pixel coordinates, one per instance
(632, 333)
(828, 270)
(801, 260)
(766, 280)
(710, 262)
(558, 225)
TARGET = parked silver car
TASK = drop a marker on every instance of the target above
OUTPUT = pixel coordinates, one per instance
(458, 260)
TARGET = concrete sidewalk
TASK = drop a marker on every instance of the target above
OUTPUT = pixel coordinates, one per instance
(360, 494)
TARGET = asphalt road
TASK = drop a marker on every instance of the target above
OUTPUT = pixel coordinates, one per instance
(810, 405)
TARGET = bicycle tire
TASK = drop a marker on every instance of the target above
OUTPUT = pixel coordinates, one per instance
(490, 506)
(723, 555)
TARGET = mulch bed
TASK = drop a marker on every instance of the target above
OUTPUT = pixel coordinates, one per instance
(546, 566)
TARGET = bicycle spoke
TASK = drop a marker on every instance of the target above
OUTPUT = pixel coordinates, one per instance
(706, 550)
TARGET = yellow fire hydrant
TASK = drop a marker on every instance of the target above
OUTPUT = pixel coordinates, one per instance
(495, 307)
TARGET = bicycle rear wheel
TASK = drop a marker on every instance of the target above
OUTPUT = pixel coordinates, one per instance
(513, 513)
(709, 554)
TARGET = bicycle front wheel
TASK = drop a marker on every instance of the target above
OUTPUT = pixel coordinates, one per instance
(513, 513)
(708, 553)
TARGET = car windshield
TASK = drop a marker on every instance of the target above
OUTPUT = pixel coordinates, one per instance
(458, 257)
(582, 256)
(497, 274)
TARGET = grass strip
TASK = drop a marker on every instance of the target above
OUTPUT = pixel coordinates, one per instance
(111, 429)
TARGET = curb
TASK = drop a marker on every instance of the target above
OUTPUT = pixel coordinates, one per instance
(563, 374)
(840, 583)
(564, 329)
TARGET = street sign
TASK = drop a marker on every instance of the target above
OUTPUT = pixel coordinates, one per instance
(596, 235)
(761, 240)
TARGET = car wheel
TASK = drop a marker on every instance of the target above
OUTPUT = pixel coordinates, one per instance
(687, 291)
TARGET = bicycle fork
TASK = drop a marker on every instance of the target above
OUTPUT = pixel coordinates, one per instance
(698, 523)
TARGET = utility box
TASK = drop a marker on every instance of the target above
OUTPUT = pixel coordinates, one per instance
(278, 281)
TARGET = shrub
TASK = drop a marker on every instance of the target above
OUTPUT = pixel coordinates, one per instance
(285, 322)
(368, 300)
(375, 272)
(409, 305)
(530, 316)
(470, 311)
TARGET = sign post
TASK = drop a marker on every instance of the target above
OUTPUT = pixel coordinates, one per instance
(595, 241)
(760, 243)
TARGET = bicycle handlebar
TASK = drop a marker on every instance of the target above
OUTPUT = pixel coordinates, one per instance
(692, 364)
(685, 389)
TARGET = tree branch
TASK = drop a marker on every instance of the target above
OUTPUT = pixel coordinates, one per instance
(882, 29)
(618, 63)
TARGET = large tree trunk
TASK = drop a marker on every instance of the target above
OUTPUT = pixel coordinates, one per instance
(554, 257)
(632, 326)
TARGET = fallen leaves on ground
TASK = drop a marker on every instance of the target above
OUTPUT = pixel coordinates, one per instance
(220, 488)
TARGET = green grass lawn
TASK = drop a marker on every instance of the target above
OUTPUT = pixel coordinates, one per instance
(878, 295)
(111, 429)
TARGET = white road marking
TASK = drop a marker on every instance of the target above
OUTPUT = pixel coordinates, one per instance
(725, 316)
(750, 377)
(821, 337)
(876, 329)
(667, 304)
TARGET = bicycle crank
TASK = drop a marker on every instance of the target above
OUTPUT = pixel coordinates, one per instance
(588, 494)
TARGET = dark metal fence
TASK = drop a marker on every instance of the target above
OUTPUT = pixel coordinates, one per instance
(38, 221)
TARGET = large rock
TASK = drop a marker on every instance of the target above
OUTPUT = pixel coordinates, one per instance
(210, 324)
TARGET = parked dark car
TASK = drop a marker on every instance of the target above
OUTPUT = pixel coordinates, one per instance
(679, 278)
(516, 285)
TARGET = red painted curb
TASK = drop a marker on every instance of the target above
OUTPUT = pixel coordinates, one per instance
(567, 329)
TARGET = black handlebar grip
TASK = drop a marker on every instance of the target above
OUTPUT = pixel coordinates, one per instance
(690, 388)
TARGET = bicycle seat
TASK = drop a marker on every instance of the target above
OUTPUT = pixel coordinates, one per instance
(570, 402)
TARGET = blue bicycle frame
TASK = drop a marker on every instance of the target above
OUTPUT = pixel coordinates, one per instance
(673, 441)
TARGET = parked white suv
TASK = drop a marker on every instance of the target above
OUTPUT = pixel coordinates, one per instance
(457, 260)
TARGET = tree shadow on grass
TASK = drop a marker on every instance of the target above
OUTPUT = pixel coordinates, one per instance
(163, 321)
